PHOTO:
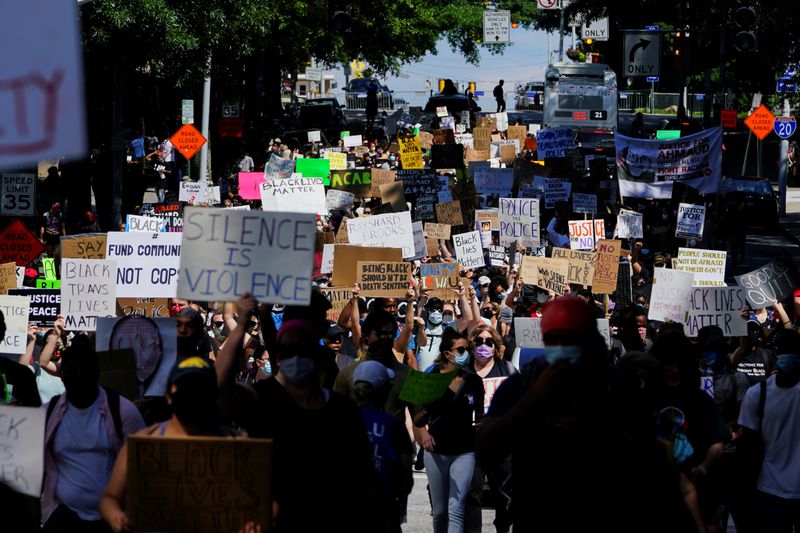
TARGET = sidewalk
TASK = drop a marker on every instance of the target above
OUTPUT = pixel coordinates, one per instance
(790, 224)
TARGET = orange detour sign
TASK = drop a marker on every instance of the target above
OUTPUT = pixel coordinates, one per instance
(760, 122)
(188, 140)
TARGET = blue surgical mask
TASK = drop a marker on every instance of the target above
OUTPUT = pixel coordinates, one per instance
(789, 363)
(570, 354)
(297, 370)
(448, 319)
(435, 317)
(391, 158)
(461, 359)
(267, 368)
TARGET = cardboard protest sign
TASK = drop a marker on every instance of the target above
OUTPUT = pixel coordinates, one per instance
(15, 311)
(227, 253)
(145, 224)
(552, 274)
(528, 269)
(8, 277)
(357, 181)
(22, 442)
(250, 185)
(339, 199)
(392, 194)
(410, 152)
(392, 230)
(422, 388)
(294, 195)
(476, 155)
(501, 121)
(581, 265)
(147, 263)
(708, 266)
(508, 154)
(553, 142)
(437, 231)
(629, 225)
(171, 212)
(716, 306)
(555, 190)
(425, 140)
(167, 474)
(346, 258)
(310, 167)
(447, 156)
(770, 283)
(341, 234)
(528, 332)
(88, 291)
(469, 251)
(518, 133)
(378, 279)
(519, 221)
(148, 307)
(212, 195)
(380, 176)
(18, 244)
(584, 203)
(338, 160)
(418, 182)
(481, 138)
(449, 213)
(278, 168)
(669, 299)
(497, 181)
(339, 298)
(44, 305)
(606, 266)
(192, 192)
(691, 219)
(584, 234)
(18, 195)
(490, 216)
(440, 279)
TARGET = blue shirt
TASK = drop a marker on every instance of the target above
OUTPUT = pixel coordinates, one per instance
(137, 145)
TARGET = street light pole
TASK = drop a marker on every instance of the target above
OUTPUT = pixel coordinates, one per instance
(561, 37)
(784, 165)
(204, 124)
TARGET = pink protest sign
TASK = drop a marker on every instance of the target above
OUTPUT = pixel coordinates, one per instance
(250, 185)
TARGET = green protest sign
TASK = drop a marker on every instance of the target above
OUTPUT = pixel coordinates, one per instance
(49, 265)
(48, 283)
(422, 388)
(344, 134)
(314, 168)
(668, 135)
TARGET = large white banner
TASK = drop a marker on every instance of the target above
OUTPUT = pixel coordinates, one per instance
(646, 168)
(226, 253)
(389, 230)
(147, 263)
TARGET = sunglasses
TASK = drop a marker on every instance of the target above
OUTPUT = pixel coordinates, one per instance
(487, 342)
(461, 350)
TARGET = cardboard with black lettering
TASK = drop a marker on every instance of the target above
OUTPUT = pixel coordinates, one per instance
(149, 307)
(440, 279)
(382, 279)
(449, 213)
(347, 256)
(84, 246)
(581, 265)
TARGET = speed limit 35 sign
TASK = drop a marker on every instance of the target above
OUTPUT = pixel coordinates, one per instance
(18, 195)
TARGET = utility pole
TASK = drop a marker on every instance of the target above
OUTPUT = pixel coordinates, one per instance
(204, 124)
(561, 37)
(783, 170)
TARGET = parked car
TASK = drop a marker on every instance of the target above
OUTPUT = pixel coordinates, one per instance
(455, 103)
(321, 114)
(759, 199)
(530, 96)
(356, 94)
(593, 141)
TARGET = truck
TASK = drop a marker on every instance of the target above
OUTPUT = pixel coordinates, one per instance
(580, 95)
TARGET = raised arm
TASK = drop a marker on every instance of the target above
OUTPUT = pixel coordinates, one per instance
(226, 359)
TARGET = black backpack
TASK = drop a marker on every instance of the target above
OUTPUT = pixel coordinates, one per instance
(113, 406)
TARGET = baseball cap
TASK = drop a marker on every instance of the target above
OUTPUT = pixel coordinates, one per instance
(277, 140)
(192, 366)
(567, 313)
(711, 338)
(334, 330)
(373, 373)
(484, 280)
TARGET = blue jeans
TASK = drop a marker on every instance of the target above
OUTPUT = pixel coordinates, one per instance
(449, 478)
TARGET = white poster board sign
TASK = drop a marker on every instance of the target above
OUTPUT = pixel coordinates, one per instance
(193, 192)
(629, 225)
(584, 203)
(22, 443)
(389, 230)
(226, 253)
(147, 263)
(519, 221)
(469, 252)
(584, 234)
(717, 306)
(669, 299)
(88, 291)
(351, 141)
(294, 195)
(145, 224)
(15, 311)
(278, 167)
(708, 266)
(327, 259)
(336, 199)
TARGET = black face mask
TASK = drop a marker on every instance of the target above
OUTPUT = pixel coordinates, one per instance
(187, 346)
(487, 312)
(195, 406)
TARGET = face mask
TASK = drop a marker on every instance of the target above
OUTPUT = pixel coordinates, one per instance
(448, 319)
(391, 158)
(194, 406)
(488, 312)
(461, 359)
(267, 368)
(483, 352)
(570, 354)
(789, 364)
(187, 346)
(541, 297)
(297, 370)
(435, 317)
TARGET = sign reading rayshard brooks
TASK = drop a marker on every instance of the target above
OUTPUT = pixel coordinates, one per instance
(646, 168)
(226, 253)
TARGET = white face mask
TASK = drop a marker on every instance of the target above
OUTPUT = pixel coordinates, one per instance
(435, 317)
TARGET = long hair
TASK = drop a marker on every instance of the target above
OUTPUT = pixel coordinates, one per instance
(449, 338)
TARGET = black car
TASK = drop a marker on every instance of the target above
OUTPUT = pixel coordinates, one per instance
(596, 142)
(752, 196)
(322, 114)
(455, 103)
(356, 94)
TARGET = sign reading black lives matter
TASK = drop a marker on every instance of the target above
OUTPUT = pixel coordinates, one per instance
(226, 253)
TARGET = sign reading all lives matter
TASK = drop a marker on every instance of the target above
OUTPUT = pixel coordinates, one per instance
(22, 445)
(88, 291)
(18, 195)
(226, 253)
(691, 219)
(15, 311)
(147, 263)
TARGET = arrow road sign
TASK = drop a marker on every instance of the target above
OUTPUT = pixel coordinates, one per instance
(642, 54)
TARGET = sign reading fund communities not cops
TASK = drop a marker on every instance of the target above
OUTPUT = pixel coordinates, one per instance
(147, 263)
(226, 253)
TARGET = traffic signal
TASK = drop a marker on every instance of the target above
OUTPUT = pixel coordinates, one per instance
(472, 87)
(340, 21)
(441, 84)
(677, 43)
(588, 41)
(745, 16)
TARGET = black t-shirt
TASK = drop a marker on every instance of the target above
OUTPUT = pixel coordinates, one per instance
(322, 465)
(501, 369)
(453, 416)
(758, 365)
(22, 381)
(703, 424)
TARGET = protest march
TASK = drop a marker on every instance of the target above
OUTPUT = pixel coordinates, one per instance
(475, 319)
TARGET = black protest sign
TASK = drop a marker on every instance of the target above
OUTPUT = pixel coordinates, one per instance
(45, 305)
(624, 284)
(497, 255)
(171, 212)
(770, 283)
(419, 182)
(356, 181)
(447, 156)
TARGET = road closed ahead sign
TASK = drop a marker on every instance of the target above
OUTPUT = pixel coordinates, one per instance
(188, 140)
(760, 122)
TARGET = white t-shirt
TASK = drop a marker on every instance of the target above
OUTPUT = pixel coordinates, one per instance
(780, 431)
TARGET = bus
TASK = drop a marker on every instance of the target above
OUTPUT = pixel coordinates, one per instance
(580, 95)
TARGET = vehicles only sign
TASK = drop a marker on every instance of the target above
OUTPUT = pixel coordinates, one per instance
(496, 27)
(597, 30)
(642, 54)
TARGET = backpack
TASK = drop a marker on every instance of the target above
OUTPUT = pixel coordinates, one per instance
(113, 406)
